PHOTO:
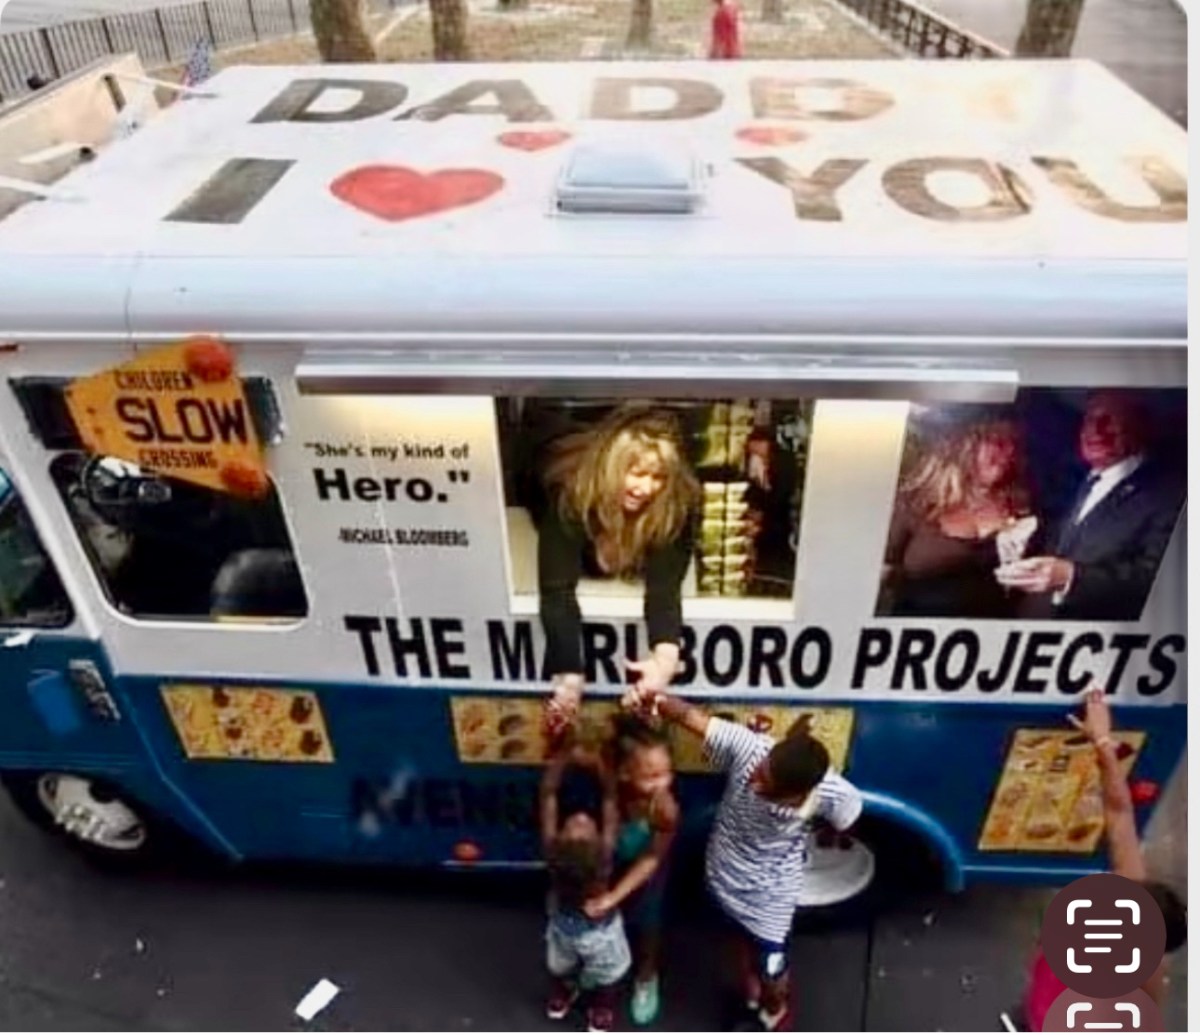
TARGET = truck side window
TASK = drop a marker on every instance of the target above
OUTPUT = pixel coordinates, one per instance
(169, 550)
(31, 592)
(736, 466)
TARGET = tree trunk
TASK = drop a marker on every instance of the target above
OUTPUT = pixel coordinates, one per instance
(1049, 29)
(641, 25)
(340, 32)
(772, 11)
(449, 18)
(514, 5)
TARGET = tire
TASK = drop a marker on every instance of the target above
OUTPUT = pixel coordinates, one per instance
(108, 827)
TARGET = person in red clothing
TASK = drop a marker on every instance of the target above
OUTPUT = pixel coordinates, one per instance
(726, 41)
(1125, 857)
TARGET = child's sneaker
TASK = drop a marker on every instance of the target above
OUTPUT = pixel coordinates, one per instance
(600, 1018)
(559, 1004)
(644, 1006)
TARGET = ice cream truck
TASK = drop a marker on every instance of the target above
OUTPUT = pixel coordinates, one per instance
(314, 396)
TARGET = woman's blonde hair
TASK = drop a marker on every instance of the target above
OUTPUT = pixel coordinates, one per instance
(586, 473)
(942, 477)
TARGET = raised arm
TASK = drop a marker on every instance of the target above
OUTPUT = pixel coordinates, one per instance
(1120, 828)
(727, 744)
(548, 800)
(673, 709)
(611, 812)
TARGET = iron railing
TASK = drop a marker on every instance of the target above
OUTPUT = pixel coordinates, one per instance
(921, 31)
(159, 36)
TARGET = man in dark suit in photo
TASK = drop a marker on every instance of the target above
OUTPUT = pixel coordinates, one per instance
(1102, 558)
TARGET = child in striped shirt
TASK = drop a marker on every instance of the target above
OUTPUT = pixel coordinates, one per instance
(758, 850)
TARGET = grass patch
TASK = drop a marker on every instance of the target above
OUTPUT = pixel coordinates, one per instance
(566, 30)
(570, 30)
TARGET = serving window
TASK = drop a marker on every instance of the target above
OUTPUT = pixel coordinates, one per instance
(718, 484)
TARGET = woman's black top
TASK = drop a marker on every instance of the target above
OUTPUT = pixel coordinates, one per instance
(565, 553)
(936, 575)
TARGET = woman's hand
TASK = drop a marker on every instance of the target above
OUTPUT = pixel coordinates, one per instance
(600, 906)
(652, 676)
(1097, 719)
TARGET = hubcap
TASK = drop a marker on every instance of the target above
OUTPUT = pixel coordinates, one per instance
(87, 813)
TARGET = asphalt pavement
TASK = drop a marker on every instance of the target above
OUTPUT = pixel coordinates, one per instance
(200, 948)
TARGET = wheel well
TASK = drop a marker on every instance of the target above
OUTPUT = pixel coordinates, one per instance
(916, 839)
(913, 849)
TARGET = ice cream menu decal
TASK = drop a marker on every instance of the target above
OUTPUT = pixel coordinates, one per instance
(1049, 796)
(511, 730)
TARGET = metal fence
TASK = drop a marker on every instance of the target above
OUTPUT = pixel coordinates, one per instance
(922, 32)
(160, 36)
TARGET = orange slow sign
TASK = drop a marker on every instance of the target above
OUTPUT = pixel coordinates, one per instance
(178, 411)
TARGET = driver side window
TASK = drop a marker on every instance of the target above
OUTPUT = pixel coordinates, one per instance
(165, 549)
(31, 593)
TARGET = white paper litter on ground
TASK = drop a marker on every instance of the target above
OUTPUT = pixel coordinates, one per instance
(319, 996)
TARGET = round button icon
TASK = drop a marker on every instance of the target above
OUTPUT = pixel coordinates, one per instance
(1103, 936)
(1073, 1011)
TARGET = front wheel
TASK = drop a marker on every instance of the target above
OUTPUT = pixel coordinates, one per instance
(92, 815)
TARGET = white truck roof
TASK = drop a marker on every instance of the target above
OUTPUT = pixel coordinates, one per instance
(1024, 199)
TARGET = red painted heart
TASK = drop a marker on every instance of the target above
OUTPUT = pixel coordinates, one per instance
(771, 136)
(394, 192)
(533, 140)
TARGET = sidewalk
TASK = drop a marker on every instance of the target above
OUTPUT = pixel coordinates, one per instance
(1142, 41)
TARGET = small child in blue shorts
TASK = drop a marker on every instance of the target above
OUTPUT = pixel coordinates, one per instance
(585, 954)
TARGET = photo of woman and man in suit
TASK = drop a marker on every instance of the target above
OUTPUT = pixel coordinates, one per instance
(1060, 506)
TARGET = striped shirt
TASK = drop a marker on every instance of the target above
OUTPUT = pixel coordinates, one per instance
(758, 850)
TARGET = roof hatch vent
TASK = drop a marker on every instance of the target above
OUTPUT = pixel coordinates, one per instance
(631, 178)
